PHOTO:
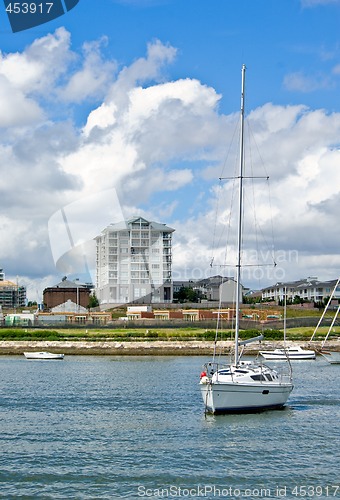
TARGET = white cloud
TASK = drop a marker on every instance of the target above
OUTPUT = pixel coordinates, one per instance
(315, 3)
(15, 108)
(336, 70)
(155, 125)
(37, 68)
(93, 78)
(304, 83)
(301, 156)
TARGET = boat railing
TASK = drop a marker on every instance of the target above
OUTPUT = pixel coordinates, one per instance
(212, 367)
(284, 372)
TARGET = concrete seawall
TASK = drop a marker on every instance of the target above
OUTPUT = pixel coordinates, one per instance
(142, 348)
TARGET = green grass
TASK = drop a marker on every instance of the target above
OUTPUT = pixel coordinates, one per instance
(178, 334)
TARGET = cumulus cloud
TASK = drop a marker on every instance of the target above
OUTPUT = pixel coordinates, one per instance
(93, 77)
(38, 67)
(16, 109)
(161, 124)
(295, 213)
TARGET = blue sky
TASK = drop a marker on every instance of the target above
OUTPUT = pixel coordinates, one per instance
(141, 97)
(276, 39)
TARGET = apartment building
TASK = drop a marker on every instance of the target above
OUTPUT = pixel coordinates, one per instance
(133, 263)
(11, 295)
(309, 289)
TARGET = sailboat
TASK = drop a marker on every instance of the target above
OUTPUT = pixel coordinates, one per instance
(291, 352)
(332, 357)
(242, 385)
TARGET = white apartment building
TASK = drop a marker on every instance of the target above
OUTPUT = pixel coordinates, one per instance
(310, 289)
(133, 263)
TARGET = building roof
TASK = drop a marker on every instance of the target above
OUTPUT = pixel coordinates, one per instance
(7, 283)
(69, 306)
(120, 226)
(303, 283)
(213, 281)
(65, 283)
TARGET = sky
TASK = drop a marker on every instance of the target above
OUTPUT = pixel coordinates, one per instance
(131, 107)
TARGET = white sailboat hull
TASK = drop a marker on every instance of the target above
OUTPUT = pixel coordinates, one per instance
(292, 353)
(228, 398)
(43, 355)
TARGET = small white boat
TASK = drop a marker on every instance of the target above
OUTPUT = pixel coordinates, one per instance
(292, 352)
(289, 352)
(43, 355)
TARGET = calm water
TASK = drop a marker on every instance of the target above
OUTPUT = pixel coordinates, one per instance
(134, 427)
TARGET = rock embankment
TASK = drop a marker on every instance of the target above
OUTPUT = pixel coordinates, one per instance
(141, 348)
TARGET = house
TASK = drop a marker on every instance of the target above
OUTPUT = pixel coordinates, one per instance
(217, 288)
(66, 290)
(309, 289)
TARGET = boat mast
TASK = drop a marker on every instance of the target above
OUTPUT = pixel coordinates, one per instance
(285, 317)
(325, 310)
(240, 221)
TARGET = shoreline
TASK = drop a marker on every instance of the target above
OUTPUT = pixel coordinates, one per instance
(144, 348)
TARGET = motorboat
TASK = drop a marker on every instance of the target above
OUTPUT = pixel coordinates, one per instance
(293, 353)
(243, 386)
(43, 355)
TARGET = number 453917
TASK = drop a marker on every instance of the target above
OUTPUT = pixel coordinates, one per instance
(29, 8)
(316, 491)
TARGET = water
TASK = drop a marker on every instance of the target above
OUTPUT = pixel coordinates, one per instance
(93, 427)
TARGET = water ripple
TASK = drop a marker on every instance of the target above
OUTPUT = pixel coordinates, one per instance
(110, 427)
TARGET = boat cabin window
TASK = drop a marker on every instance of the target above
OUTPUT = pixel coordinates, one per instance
(260, 376)
(241, 371)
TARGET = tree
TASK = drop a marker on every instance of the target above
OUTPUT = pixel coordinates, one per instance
(298, 300)
(93, 301)
(186, 294)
